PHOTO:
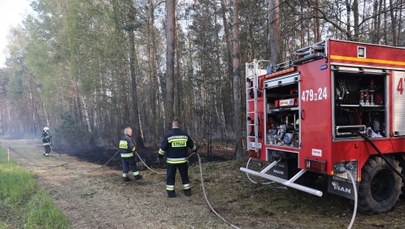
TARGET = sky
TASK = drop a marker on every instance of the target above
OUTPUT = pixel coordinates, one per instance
(12, 13)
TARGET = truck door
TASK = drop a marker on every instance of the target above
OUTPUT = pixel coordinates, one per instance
(315, 98)
(398, 103)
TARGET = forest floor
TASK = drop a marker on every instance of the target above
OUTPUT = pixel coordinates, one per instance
(94, 196)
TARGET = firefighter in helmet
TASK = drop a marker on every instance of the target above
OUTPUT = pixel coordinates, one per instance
(127, 149)
(174, 144)
(46, 141)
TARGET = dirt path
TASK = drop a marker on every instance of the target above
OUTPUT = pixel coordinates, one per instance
(95, 197)
(92, 196)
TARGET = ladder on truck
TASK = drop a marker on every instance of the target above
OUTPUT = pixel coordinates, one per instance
(253, 71)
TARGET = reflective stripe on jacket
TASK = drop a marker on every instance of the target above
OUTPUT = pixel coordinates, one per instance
(176, 160)
(174, 144)
(125, 155)
(126, 147)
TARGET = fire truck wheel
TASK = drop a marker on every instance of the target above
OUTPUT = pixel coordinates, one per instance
(380, 187)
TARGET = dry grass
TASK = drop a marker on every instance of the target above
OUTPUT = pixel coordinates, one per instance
(97, 198)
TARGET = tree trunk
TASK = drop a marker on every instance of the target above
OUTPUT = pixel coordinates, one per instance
(274, 32)
(170, 53)
(356, 16)
(227, 38)
(385, 29)
(317, 23)
(376, 22)
(135, 113)
(393, 24)
(348, 24)
(154, 97)
(239, 153)
(400, 23)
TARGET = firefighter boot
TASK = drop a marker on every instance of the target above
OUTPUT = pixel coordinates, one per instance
(125, 177)
(138, 177)
(187, 192)
(171, 194)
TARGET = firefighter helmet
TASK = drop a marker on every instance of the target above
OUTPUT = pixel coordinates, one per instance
(46, 129)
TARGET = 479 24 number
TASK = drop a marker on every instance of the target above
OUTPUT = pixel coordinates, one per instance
(314, 95)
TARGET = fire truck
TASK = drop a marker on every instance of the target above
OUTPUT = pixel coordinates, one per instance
(335, 110)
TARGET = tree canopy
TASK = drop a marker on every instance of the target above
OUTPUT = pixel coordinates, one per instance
(88, 69)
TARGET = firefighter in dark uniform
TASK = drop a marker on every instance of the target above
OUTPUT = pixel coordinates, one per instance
(174, 144)
(127, 149)
(46, 141)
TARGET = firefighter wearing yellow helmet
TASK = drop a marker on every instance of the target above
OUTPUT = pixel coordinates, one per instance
(46, 141)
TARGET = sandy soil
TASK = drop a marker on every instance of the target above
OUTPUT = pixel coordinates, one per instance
(92, 196)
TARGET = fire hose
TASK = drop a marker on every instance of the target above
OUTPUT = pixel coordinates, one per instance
(53, 151)
(202, 186)
(205, 193)
(34, 164)
(343, 169)
(379, 153)
(201, 180)
(106, 162)
(253, 181)
(347, 169)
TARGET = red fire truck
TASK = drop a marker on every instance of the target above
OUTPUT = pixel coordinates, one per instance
(336, 110)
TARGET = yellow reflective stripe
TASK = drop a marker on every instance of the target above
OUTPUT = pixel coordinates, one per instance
(46, 144)
(370, 60)
(161, 152)
(194, 148)
(124, 175)
(170, 187)
(136, 173)
(125, 155)
(176, 160)
(177, 138)
(186, 186)
(123, 144)
(178, 141)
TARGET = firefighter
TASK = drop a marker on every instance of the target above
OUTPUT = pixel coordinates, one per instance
(174, 144)
(127, 149)
(46, 141)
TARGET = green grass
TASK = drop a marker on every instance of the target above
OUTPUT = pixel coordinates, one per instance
(43, 212)
(22, 204)
(15, 183)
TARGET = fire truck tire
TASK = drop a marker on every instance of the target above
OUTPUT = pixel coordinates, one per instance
(380, 187)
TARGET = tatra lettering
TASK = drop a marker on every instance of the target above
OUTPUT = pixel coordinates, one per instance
(123, 144)
(179, 144)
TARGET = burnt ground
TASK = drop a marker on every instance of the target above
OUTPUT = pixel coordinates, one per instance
(94, 196)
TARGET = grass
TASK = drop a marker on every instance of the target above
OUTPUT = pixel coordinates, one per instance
(22, 204)
(236, 198)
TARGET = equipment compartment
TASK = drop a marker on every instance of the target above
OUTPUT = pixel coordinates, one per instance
(282, 119)
(359, 104)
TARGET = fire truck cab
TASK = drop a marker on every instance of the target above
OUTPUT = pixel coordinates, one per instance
(336, 110)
